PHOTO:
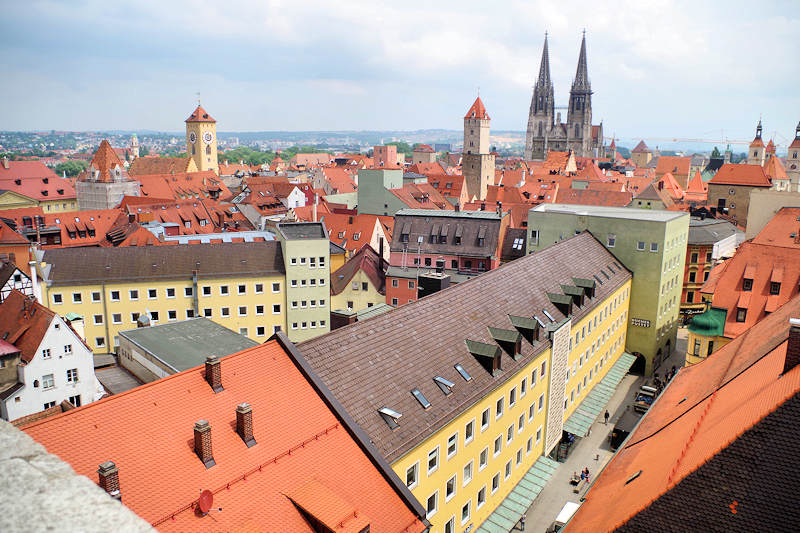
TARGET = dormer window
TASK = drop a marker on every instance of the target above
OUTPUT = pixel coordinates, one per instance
(747, 284)
(774, 288)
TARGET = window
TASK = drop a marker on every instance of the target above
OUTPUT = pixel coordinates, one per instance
(225, 311)
(58, 299)
(116, 318)
(747, 284)
(510, 434)
(133, 294)
(99, 342)
(75, 400)
(259, 309)
(499, 411)
(410, 285)
(243, 332)
(241, 289)
(692, 276)
(653, 246)
(171, 292)
(134, 317)
(533, 376)
(207, 291)
(508, 470)
(260, 331)
(276, 287)
(276, 309)
(467, 473)
(433, 460)
(450, 489)
(188, 292)
(521, 423)
(498, 445)
(710, 347)
(774, 287)
(640, 245)
(98, 319)
(531, 411)
(465, 512)
(172, 315)
(485, 419)
(452, 445)
(689, 296)
(72, 375)
(154, 316)
(483, 459)
(395, 283)
(433, 505)
(611, 240)
(450, 526)
(77, 298)
(469, 432)
(95, 296)
(519, 457)
(741, 314)
(207, 312)
(152, 294)
(412, 475)
(544, 368)
(48, 381)
(48, 405)
(539, 435)
(541, 403)
(708, 257)
(294, 283)
(223, 290)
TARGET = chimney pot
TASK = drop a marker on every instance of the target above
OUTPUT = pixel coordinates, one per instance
(202, 442)
(108, 474)
(213, 373)
(244, 423)
(793, 347)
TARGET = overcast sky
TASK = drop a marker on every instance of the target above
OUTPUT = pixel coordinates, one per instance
(662, 68)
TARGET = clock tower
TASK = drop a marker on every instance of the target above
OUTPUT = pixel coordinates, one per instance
(201, 139)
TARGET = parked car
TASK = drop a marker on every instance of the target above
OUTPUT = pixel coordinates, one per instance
(644, 398)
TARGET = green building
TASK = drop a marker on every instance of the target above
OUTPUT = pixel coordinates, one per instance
(374, 196)
(306, 255)
(651, 243)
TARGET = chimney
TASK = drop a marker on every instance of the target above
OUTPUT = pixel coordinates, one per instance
(244, 423)
(202, 442)
(5, 162)
(793, 348)
(213, 373)
(108, 474)
(37, 290)
(457, 207)
(316, 202)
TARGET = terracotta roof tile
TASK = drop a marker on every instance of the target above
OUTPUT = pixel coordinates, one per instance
(145, 166)
(34, 180)
(749, 175)
(23, 323)
(200, 115)
(477, 110)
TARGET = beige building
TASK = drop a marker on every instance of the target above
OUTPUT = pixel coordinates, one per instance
(477, 163)
(729, 190)
(764, 204)
(201, 139)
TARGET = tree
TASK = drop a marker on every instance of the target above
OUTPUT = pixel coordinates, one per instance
(402, 147)
(143, 151)
(715, 153)
(72, 168)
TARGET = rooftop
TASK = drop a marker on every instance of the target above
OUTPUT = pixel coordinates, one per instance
(651, 215)
(486, 215)
(186, 344)
(302, 230)
(710, 230)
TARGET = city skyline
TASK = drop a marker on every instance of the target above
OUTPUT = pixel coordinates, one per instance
(666, 69)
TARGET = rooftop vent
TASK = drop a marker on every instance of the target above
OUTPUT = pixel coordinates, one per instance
(421, 398)
(587, 285)
(444, 384)
(390, 416)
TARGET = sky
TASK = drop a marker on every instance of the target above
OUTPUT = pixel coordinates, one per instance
(659, 68)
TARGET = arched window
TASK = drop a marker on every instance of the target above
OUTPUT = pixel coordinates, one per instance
(541, 126)
(192, 150)
(577, 130)
(208, 149)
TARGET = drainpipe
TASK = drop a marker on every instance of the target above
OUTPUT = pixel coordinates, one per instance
(37, 290)
(195, 299)
(106, 318)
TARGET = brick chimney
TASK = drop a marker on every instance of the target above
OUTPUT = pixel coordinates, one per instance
(244, 423)
(213, 373)
(202, 442)
(108, 474)
(5, 162)
(793, 348)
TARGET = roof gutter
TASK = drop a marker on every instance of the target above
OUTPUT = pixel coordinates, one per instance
(351, 426)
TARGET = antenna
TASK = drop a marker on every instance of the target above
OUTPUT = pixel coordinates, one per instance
(198, 98)
(205, 502)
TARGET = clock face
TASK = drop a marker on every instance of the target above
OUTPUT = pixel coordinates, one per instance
(192, 137)
(208, 137)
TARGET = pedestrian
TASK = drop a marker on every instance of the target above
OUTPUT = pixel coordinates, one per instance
(606, 416)
(522, 523)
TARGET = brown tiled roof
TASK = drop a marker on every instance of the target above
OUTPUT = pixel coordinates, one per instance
(105, 160)
(91, 265)
(367, 260)
(748, 175)
(145, 166)
(468, 225)
(375, 363)
(200, 115)
(23, 323)
(593, 197)
(640, 148)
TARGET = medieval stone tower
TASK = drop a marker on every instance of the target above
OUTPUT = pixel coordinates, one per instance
(477, 163)
(756, 155)
(201, 139)
(546, 131)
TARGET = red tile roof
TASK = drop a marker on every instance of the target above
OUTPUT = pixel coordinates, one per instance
(106, 162)
(7, 235)
(183, 185)
(748, 175)
(421, 196)
(640, 148)
(782, 230)
(366, 260)
(200, 115)
(678, 166)
(351, 232)
(771, 147)
(593, 197)
(226, 169)
(306, 455)
(23, 323)
(428, 169)
(697, 187)
(34, 180)
(146, 166)
(424, 148)
(477, 110)
(774, 169)
(703, 411)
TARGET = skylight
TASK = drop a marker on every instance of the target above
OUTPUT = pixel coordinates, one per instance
(464, 374)
(390, 416)
(421, 398)
(548, 315)
(445, 384)
(539, 320)
(603, 272)
(598, 279)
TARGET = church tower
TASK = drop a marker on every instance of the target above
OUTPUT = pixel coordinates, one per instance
(134, 147)
(201, 139)
(757, 153)
(477, 163)
(541, 114)
(579, 115)
(793, 160)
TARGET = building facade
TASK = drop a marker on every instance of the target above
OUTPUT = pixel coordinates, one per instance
(651, 243)
(546, 131)
(477, 161)
(467, 392)
(729, 190)
(105, 182)
(201, 139)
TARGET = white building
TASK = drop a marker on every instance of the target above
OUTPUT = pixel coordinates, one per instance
(12, 277)
(42, 360)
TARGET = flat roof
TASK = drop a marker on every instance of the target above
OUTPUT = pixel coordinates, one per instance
(302, 230)
(631, 213)
(489, 215)
(186, 344)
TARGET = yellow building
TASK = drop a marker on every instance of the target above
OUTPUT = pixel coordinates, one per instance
(15, 200)
(467, 391)
(706, 334)
(31, 184)
(360, 283)
(201, 139)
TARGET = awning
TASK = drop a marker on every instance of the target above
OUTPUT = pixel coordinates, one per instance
(581, 420)
(520, 498)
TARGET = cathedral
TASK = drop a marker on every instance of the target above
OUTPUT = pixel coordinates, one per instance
(546, 131)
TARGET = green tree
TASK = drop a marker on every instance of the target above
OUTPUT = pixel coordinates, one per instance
(402, 147)
(715, 153)
(72, 168)
(143, 151)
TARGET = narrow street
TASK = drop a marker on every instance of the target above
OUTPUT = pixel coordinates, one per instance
(593, 451)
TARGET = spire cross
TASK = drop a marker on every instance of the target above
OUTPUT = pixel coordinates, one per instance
(198, 98)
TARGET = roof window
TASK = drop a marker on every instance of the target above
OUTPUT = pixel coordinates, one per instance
(390, 416)
(445, 384)
(463, 371)
(421, 398)
(548, 315)
(598, 279)
(633, 477)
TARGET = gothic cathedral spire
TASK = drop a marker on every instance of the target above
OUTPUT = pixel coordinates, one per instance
(581, 80)
(541, 114)
(544, 67)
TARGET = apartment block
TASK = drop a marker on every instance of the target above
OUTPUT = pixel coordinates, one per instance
(651, 243)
